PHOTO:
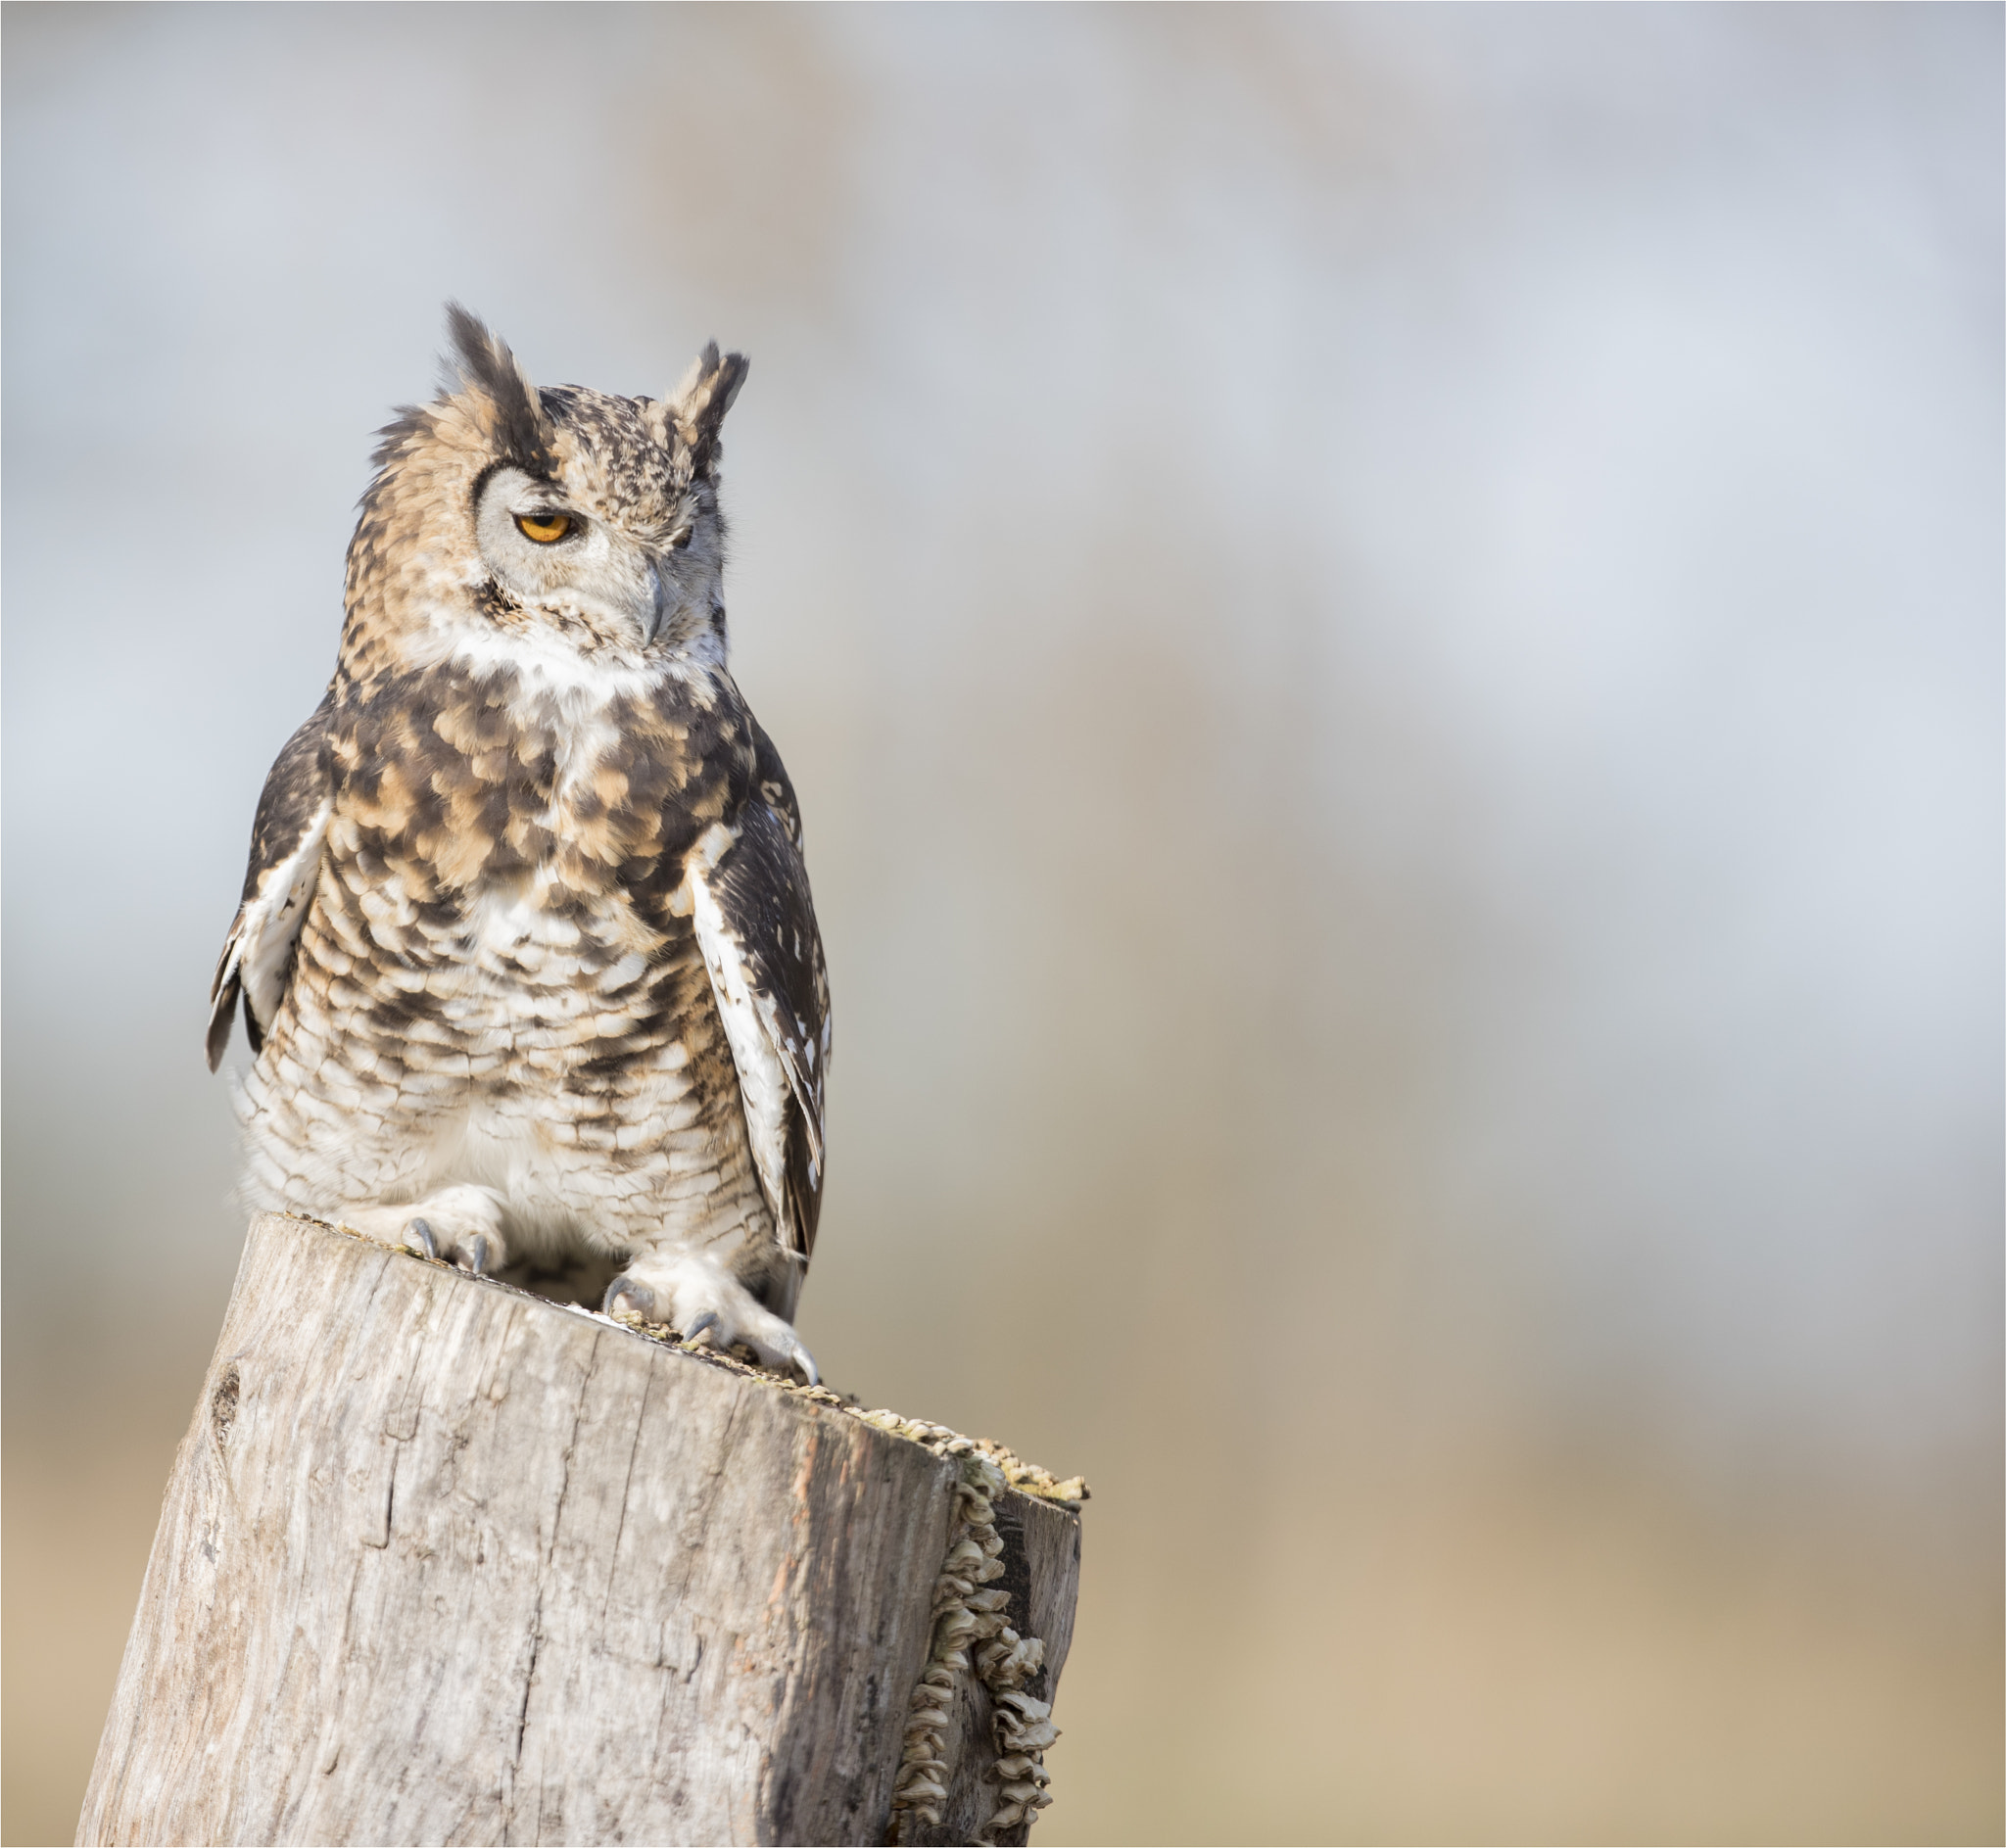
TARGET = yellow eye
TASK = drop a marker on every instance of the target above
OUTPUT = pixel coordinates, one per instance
(547, 529)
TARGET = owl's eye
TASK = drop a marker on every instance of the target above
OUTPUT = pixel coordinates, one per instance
(681, 540)
(547, 527)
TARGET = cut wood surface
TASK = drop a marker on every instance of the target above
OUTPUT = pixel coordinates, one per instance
(443, 1562)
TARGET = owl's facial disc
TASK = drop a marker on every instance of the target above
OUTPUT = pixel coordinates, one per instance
(546, 553)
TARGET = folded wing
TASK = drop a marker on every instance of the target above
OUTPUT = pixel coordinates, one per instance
(285, 861)
(755, 920)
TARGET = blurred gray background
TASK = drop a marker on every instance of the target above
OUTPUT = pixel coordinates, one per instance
(1387, 622)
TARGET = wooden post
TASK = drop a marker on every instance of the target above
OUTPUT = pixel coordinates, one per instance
(441, 1561)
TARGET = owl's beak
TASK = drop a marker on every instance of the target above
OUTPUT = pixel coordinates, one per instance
(658, 606)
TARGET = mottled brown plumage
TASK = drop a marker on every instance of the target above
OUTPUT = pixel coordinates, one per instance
(527, 954)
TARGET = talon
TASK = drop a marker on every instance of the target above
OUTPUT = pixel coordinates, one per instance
(636, 1293)
(478, 1253)
(806, 1362)
(417, 1237)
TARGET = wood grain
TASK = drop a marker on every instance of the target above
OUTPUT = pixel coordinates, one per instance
(443, 1562)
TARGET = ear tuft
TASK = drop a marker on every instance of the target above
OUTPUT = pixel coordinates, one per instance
(698, 403)
(481, 362)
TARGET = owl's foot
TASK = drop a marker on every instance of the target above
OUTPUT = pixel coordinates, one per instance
(462, 1225)
(694, 1295)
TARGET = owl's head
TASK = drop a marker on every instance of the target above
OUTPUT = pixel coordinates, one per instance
(582, 518)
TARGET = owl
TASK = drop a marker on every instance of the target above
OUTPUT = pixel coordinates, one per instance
(526, 951)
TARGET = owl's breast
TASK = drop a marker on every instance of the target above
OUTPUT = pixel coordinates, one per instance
(505, 876)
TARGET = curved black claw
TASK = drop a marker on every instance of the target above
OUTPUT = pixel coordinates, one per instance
(638, 1294)
(806, 1362)
(480, 1253)
(707, 1320)
(417, 1237)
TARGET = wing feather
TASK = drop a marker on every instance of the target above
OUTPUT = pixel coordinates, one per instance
(755, 917)
(286, 840)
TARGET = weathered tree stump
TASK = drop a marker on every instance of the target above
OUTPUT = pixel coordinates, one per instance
(441, 1561)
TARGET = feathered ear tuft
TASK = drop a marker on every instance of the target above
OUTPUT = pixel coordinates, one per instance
(697, 405)
(480, 362)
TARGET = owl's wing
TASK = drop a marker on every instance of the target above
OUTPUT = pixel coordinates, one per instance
(755, 920)
(285, 861)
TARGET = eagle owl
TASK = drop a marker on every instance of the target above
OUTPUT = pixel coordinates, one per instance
(526, 951)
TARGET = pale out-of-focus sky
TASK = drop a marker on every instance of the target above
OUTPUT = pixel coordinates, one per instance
(1387, 622)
